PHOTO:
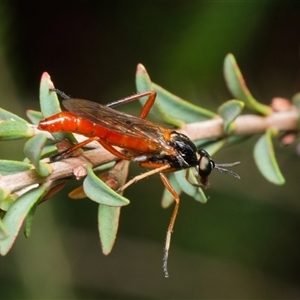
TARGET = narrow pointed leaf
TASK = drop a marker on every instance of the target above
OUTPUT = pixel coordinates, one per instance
(112, 177)
(179, 108)
(49, 103)
(238, 88)
(235, 139)
(195, 192)
(4, 194)
(15, 216)
(168, 107)
(8, 116)
(13, 130)
(108, 223)
(49, 150)
(8, 167)
(99, 192)
(33, 150)
(214, 147)
(7, 201)
(229, 111)
(34, 116)
(108, 216)
(29, 220)
(143, 84)
(167, 198)
(265, 158)
(3, 232)
(105, 167)
(48, 100)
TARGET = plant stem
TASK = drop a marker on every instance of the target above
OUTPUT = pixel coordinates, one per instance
(66, 169)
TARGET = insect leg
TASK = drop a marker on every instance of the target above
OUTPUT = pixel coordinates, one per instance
(142, 176)
(169, 187)
(113, 150)
(148, 104)
(145, 110)
(103, 143)
(67, 153)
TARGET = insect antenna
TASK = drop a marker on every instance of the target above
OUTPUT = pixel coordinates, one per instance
(220, 168)
(60, 93)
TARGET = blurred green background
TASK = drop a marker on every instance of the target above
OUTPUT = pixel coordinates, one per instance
(244, 243)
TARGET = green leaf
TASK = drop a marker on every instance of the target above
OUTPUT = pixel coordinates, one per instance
(7, 199)
(238, 88)
(13, 130)
(169, 108)
(3, 232)
(179, 108)
(265, 158)
(99, 192)
(167, 198)
(34, 116)
(48, 150)
(33, 149)
(235, 139)
(48, 100)
(15, 216)
(214, 147)
(229, 111)
(29, 220)
(195, 192)
(143, 84)
(105, 167)
(3, 194)
(108, 223)
(8, 167)
(8, 116)
(50, 105)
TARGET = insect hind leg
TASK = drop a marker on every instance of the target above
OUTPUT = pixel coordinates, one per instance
(66, 153)
(104, 144)
(169, 187)
(175, 211)
(146, 107)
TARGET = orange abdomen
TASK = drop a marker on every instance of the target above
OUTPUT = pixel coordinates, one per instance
(67, 121)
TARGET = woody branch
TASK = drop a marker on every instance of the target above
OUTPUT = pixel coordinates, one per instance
(245, 125)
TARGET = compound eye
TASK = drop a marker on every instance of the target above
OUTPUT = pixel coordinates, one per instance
(206, 164)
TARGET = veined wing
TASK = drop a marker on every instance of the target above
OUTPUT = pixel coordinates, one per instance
(118, 121)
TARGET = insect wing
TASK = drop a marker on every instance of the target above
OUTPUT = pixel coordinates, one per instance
(117, 121)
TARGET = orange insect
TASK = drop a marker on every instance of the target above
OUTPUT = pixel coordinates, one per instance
(150, 144)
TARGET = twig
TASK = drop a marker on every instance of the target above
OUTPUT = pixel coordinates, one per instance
(245, 125)
(61, 170)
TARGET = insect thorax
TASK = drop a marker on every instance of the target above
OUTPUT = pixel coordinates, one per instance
(184, 155)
